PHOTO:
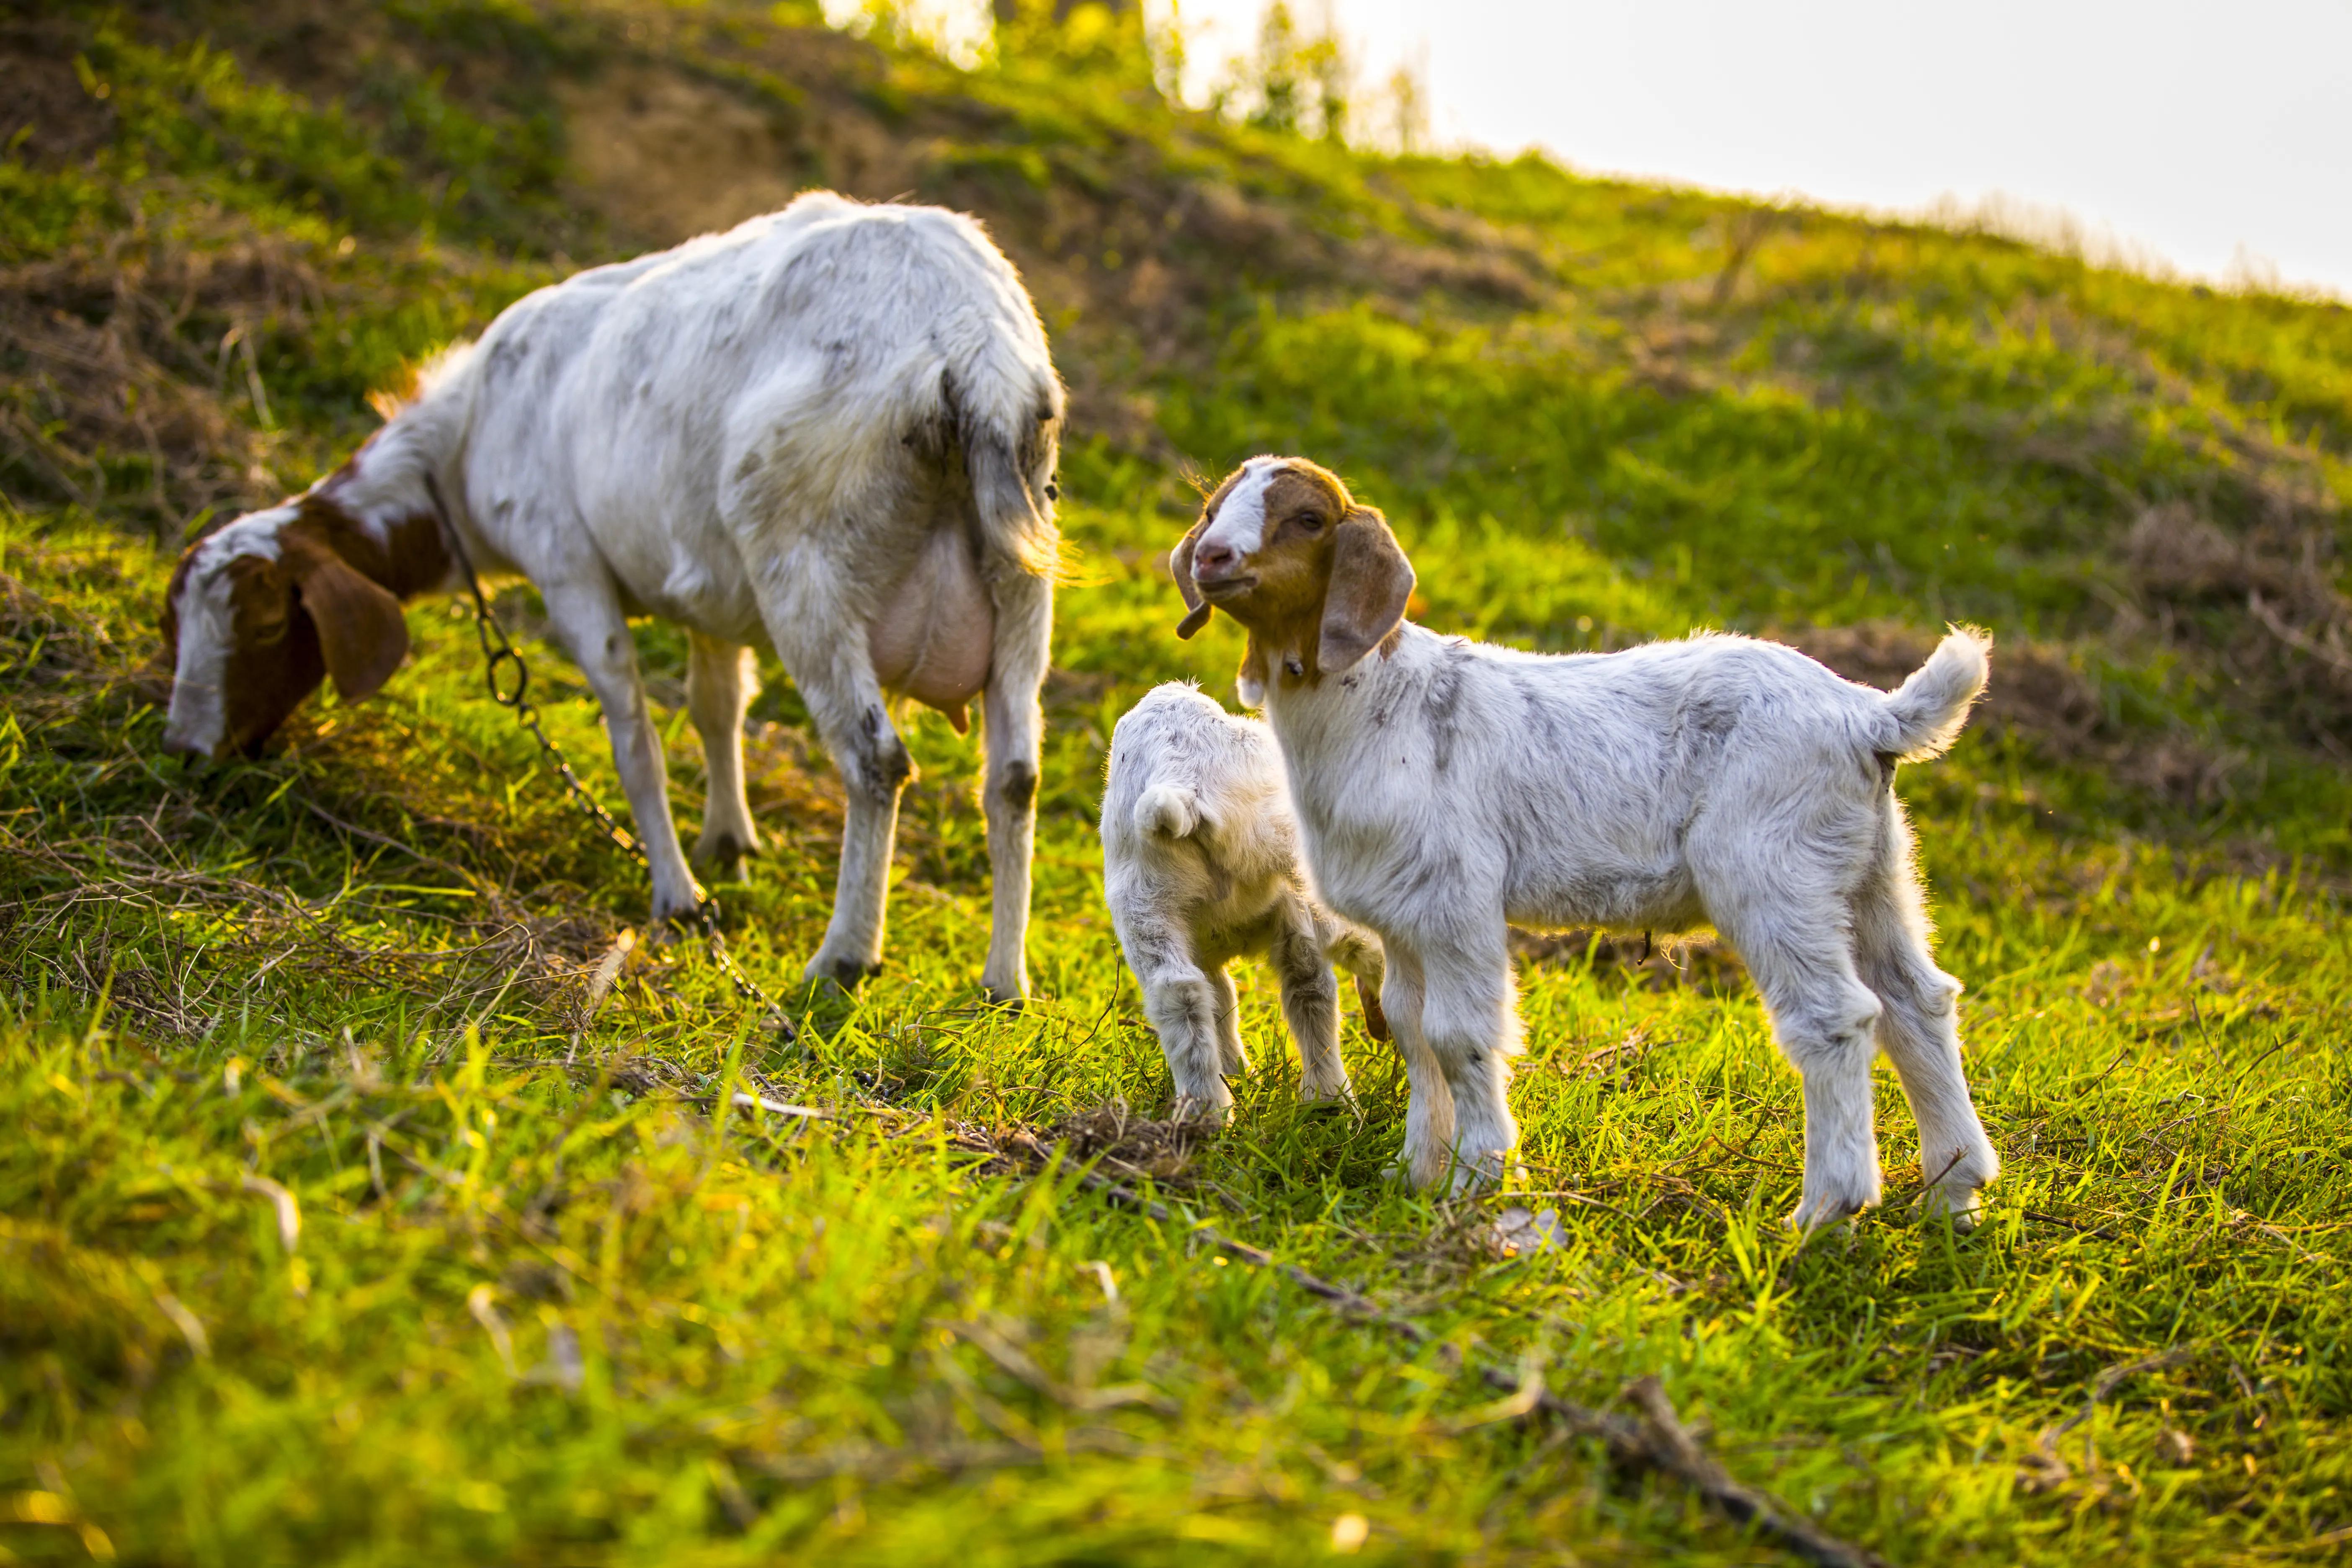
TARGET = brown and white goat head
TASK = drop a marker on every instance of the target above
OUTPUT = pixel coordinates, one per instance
(1316, 578)
(257, 615)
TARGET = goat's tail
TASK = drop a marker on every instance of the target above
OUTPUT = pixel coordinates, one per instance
(1931, 708)
(1167, 808)
(1011, 517)
(1006, 412)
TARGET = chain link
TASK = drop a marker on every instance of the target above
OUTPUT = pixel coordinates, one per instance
(500, 654)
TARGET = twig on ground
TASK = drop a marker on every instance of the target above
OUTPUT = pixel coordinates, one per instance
(2059, 1220)
(2046, 1469)
(1657, 1442)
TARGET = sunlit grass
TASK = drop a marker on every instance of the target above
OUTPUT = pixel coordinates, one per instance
(549, 1299)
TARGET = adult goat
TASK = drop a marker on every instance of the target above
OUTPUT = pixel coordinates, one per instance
(834, 427)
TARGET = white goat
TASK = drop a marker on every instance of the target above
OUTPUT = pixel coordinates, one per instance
(1200, 867)
(1446, 787)
(832, 427)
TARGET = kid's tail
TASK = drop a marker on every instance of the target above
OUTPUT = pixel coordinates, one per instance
(1931, 708)
(1168, 809)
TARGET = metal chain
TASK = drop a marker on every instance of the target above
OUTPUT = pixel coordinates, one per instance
(498, 654)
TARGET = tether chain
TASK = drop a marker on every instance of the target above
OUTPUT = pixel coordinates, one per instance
(497, 653)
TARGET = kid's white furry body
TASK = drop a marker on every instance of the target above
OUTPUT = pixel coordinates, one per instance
(1199, 868)
(1445, 788)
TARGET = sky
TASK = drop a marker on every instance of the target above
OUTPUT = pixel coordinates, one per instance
(2215, 138)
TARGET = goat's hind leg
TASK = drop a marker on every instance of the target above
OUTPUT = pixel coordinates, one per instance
(1920, 1032)
(1233, 1056)
(720, 681)
(1823, 1017)
(1013, 736)
(1775, 868)
(801, 600)
(1310, 1005)
(1183, 1002)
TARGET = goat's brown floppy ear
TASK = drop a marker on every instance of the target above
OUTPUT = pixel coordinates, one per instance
(1371, 583)
(1180, 566)
(360, 629)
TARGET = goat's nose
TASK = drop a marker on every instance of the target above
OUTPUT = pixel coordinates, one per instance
(1211, 558)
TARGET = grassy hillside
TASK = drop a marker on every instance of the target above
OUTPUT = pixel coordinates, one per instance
(531, 1293)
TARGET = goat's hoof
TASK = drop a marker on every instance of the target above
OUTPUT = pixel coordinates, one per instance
(1961, 1205)
(721, 855)
(848, 974)
(1821, 1211)
(1005, 989)
(1471, 1177)
(1416, 1171)
(1202, 1112)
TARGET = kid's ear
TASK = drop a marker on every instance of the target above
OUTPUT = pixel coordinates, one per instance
(1371, 583)
(360, 629)
(1180, 566)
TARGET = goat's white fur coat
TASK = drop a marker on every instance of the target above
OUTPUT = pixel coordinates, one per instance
(1200, 867)
(833, 427)
(1445, 788)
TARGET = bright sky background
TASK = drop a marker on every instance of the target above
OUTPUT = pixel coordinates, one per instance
(2218, 135)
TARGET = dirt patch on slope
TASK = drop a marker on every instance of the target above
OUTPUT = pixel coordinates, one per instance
(2040, 693)
(666, 156)
(131, 381)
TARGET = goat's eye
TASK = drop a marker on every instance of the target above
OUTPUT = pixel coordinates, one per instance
(1309, 520)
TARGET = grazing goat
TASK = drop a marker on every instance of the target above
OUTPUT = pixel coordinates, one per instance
(831, 426)
(1444, 788)
(1200, 867)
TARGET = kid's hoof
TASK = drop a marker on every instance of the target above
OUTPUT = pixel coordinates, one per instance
(1201, 1112)
(1961, 1205)
(1819, 1211)
(1483, 1175)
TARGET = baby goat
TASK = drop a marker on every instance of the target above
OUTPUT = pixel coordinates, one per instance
(1200, 866)
(1444, 788)
(831, 428)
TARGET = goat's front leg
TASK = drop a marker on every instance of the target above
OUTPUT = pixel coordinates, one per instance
(1468, 1022)
(587, 618)
(721, 678)
(828, 661)
(1016, 724)
(1429, 1107)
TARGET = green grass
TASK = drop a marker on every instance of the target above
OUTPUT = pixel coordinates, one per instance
(548, 1302)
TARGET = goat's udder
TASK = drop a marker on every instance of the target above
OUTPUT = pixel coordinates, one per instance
(936, 632)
